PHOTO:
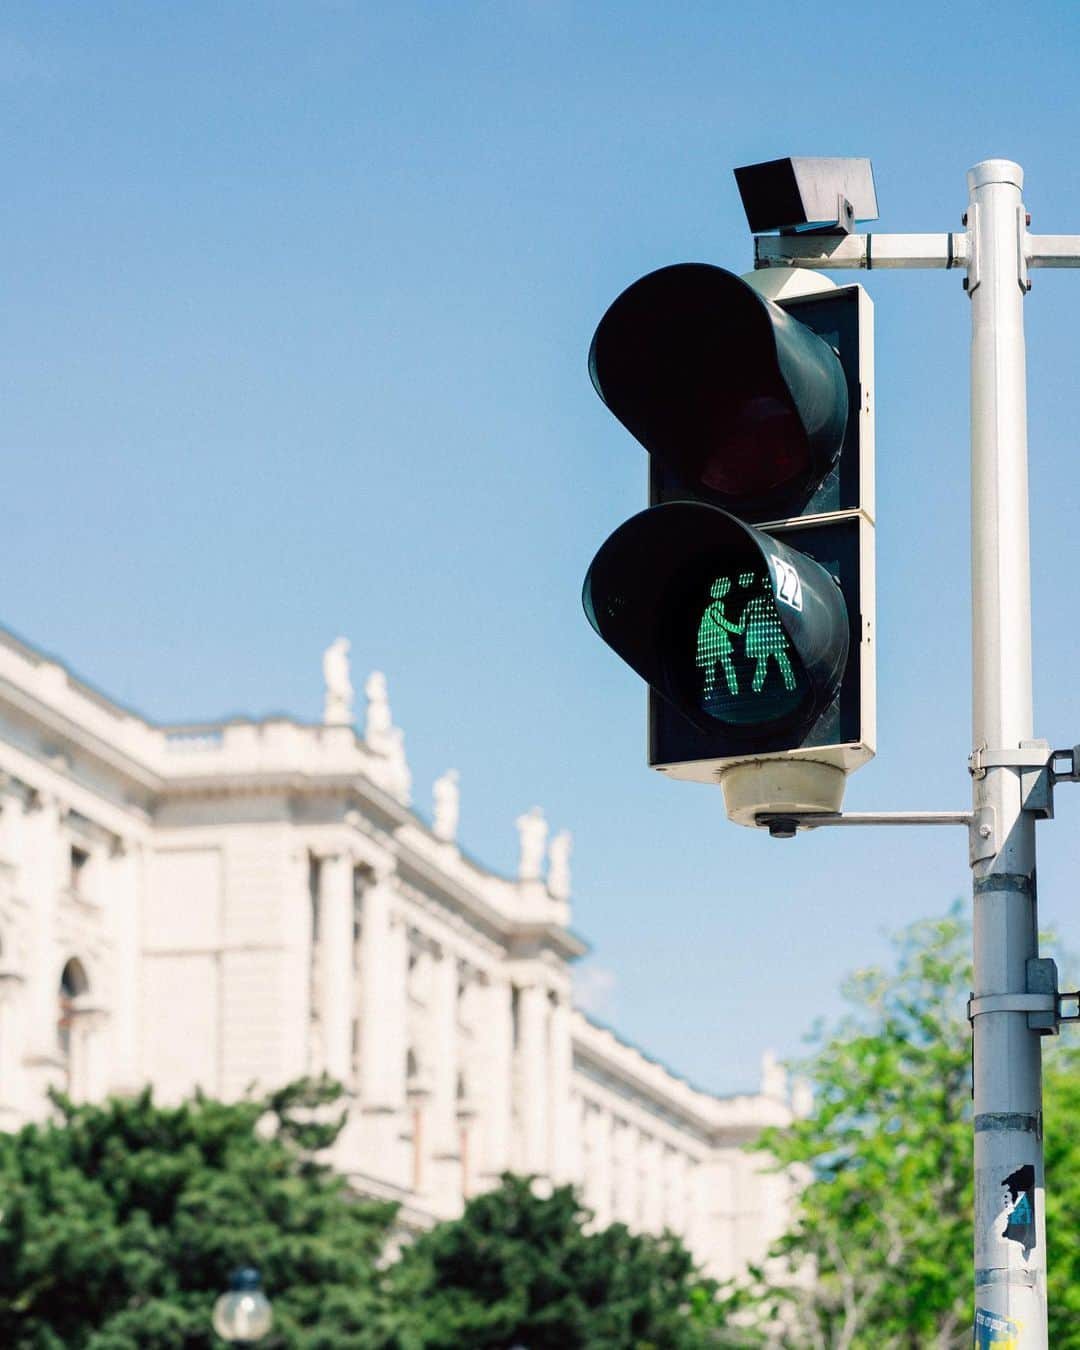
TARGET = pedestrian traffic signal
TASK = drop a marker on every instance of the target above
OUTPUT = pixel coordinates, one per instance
(743, 595)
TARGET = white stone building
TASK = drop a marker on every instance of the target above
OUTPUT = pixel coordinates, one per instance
(238, 904)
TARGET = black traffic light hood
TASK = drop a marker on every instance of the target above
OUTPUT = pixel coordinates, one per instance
(747, 406)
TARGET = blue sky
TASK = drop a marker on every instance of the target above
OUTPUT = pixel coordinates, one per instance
(296, 300)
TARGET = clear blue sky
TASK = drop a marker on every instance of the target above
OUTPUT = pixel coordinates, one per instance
(296, 299)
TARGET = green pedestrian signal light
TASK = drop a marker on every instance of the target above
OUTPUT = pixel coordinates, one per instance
(744, 636)
(743, 595)
(773, 692)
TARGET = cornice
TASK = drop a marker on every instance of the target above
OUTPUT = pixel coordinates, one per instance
(723, 1119)
(135, 771)
(164, 766)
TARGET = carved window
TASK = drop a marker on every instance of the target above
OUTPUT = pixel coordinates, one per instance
(79, 861)
(315, 1048)
(315, 896)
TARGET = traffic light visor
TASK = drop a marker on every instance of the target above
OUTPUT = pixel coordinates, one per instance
(746, 405)
(736, 629)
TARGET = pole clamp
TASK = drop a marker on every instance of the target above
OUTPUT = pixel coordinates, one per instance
(1040, 770)
(1029, 1003)
(1028, 755)
(1045, 1005)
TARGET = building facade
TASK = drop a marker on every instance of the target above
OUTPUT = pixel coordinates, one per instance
(236, 905)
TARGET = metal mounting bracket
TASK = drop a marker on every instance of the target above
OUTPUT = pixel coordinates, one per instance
(784, 824)
(845, 215)
(1045, 1006)
(1040, 769)
(1072, 773)
(982, 836)
(844, 223)
(1029, 754)
(991, 1003)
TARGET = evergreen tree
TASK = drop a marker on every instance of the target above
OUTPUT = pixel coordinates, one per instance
(120, 1224)
(520, 1269)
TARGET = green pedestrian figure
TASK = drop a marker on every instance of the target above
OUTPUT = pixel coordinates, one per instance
(765, 637)
(714, 646)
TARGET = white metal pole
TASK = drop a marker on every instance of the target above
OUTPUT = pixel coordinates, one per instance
(1010, 1237)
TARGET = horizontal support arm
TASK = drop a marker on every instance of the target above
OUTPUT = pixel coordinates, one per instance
(1053, 250)
(812, 820)
(842, 251)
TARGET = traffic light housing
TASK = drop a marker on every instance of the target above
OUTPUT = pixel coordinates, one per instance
(743, 595)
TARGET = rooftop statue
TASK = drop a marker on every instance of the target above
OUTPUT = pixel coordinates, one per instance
(558, 882)
(532, 832)
(447, 806)
(379, 724)
(773, 1077)
(338, 704)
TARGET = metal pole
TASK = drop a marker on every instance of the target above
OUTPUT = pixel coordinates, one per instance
(1010, 1238)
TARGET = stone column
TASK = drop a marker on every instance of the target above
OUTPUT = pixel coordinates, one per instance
(494, 1091)
(575, 1142)
(626, 1179)
(601, 1166)
(560, 1113)
(714, 1228)
(122, 887)
(651, 1179)
(396, 1013)
(533, 1077)
(772, 1207)
(44, 865)
(335, 964)
(88, 1055)
(378, 1040)
(418, 1105)
(675, 1191)
(11, 1046)
(384, 975)
(446, 1142)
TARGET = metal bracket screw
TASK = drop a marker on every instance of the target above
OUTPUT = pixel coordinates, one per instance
(981, 837)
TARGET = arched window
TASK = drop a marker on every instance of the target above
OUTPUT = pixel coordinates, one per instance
(77, 1032)
(73, 985)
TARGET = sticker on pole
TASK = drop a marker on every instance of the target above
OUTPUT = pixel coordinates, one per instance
(788, 585)
(993, 1332)
(1019, 1188)
(1008, 1238)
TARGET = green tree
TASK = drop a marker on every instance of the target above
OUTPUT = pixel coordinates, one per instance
(519, 1268)
(120, 1223)
(880, 1252)
(1061, 1110)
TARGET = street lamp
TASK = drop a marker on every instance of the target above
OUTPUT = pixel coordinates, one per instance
(243, 1315)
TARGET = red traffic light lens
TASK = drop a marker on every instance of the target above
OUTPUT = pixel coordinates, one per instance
(758, 445)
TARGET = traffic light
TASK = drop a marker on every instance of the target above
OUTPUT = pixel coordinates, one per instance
(743, 595)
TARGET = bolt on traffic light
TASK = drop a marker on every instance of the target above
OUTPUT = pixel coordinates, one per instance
(743, 595)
